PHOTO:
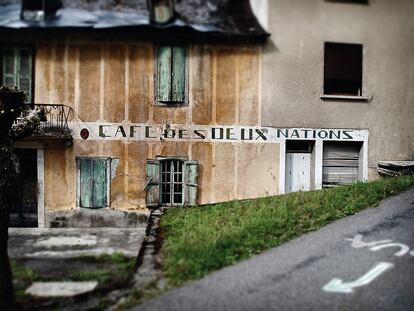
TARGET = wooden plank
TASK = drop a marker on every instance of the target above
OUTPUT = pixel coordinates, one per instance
(164, 74)
(24, 75)
(191, 185)
(201, 84)
(152, 187)
(178, 74)
(89, 82)
(114, 89)
(226, 86)
(86, 180)
(99, 183)
(140, 78)
(9, 67)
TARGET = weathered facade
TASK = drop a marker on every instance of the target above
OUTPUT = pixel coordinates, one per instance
(341, 64)
(155, 103)
(141, 133)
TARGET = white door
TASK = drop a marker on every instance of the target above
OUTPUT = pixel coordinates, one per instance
(298, 168)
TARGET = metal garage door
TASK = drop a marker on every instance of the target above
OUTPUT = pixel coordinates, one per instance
(340, 163)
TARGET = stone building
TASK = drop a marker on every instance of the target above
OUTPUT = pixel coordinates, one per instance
(165, 102)
(148, 103)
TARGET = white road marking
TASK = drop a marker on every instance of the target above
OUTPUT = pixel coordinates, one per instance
(338, 286)
(358, 243)
(404, 248)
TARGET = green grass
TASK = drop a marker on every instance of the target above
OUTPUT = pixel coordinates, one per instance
(199, 240)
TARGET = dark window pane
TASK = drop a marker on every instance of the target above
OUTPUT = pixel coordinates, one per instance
(343, 69)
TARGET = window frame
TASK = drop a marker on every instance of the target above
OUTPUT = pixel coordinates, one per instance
(78, 160)
(172, 181)
(31, 75)
(329, 96)
(171, 103)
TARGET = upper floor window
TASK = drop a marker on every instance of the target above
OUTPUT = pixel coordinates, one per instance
(171, 75)
(161, 11)
(17, 66)
(343, 69)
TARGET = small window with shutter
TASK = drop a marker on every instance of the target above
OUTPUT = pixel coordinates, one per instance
(17, 69)
(171, 75)
(93, 182)
(171, 182)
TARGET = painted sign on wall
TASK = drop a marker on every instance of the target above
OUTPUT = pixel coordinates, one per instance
(219, 133)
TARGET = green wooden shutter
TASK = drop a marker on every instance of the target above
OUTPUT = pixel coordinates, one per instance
(24, 77)
(152, 187)
(93, 182)
(178, 74)
(191, 186)
(164, 74)
(86, 182)
(17, 69)
(9, 67)
(99, 183)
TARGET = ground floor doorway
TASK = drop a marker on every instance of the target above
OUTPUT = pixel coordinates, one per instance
(23, 211)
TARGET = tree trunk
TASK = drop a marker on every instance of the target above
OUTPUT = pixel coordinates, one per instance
(6, 284)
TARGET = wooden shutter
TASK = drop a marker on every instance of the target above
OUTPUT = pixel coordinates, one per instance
(191, 186)
(25, 72)
(9, 67)
(99, 182)
(17, 69)
(164, 74)
(86, 182)
(93, 182)
(178, 74)
(152, 187)
(340, 163)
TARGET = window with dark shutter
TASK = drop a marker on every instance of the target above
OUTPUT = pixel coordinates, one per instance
(17, 69)
(93, 182)
(171, 75)
(343, 69)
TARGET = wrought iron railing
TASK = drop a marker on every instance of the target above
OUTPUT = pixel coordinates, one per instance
(55, 123)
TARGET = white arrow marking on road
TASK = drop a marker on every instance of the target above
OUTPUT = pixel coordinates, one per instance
(336, 285)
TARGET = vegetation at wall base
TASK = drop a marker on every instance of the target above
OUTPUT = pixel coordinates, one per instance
(199, 240)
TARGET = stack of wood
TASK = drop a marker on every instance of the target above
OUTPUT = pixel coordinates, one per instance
(395, 168)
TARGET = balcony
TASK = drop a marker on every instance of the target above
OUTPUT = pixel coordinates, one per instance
(54, 131)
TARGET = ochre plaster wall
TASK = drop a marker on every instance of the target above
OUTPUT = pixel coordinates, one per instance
(115, 83)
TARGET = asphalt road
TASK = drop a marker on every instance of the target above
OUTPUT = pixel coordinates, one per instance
(298, 275)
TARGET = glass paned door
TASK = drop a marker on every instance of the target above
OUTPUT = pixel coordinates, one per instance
(172, 182)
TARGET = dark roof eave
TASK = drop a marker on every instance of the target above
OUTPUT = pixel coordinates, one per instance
(186, 33)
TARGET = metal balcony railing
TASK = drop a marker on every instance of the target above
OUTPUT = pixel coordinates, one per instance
(55, 123)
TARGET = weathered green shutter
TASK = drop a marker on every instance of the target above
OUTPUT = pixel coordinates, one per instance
(93, 182)
(86, 182)
(164, 74)
(99, 182)
(178, 74)
(17, 69)
(9, 67)
(25, 72)
(191, 186)
(152, 187)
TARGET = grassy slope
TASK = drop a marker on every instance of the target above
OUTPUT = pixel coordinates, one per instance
(200, 240)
